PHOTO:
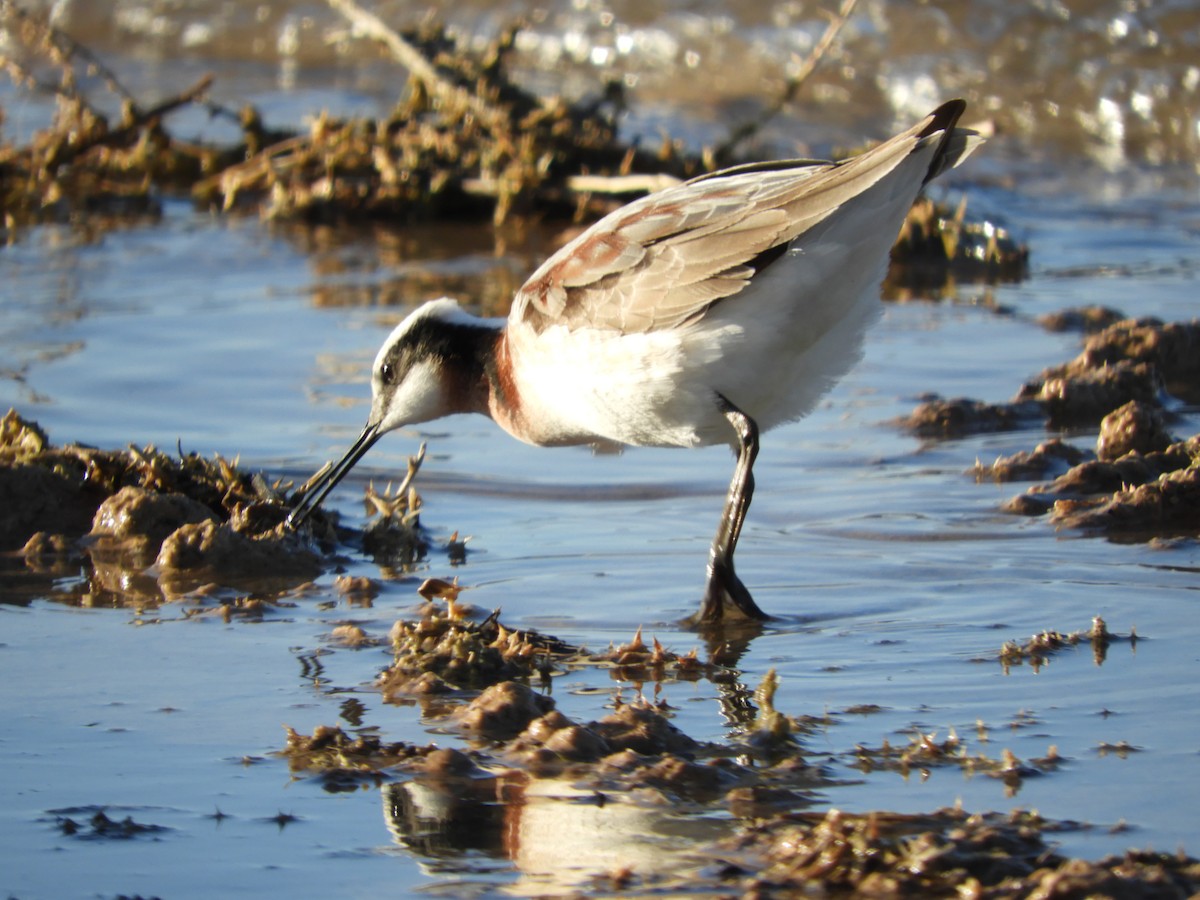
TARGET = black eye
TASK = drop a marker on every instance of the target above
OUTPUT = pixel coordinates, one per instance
(387, 373)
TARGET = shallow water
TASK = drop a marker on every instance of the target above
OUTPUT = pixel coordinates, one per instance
(896, 578)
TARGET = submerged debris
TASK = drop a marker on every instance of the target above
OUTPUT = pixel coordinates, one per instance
(1038, 649)
(924, 752)
(100, 827)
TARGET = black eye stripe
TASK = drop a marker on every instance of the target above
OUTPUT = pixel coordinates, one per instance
(428, 339)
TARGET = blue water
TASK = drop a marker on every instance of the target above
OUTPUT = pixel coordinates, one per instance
(895, 576)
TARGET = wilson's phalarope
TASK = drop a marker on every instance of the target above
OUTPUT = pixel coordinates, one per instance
(697, 315)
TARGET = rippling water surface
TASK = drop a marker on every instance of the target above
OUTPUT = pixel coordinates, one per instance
(895, 574)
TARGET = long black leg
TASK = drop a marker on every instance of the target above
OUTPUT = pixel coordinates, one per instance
(724, 587)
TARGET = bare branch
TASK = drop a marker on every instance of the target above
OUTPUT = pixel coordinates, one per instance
(807, 67)
(420, 68)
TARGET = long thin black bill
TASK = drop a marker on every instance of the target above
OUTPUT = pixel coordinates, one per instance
(327, 482)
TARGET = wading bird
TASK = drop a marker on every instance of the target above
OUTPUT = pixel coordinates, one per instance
(701, 314)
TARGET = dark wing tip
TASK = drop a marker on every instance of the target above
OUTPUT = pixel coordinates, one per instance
(944, 118)
(954, 144)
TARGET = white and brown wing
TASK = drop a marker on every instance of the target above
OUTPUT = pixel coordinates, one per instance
(666, 258)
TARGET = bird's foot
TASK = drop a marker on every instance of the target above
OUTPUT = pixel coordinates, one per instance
(726, 600)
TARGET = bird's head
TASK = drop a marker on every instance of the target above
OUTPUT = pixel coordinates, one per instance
(430, 366)
(424, 367)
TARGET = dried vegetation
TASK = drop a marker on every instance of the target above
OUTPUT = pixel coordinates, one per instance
(464, 142)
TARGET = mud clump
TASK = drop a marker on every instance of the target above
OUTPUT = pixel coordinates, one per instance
(1130, 361)
(1167, 506)
(1084, 397)
(940, 418)
(503, 711)
(343, 763)
(1172, 349)
(634, 728)
(1141, 483)
(220, 547)
(35, 499)
(1088, 319)
(1135, 427)
(144, 519)
(1047, 458)
(195, 520)
(643, 730)
(1101, 476)
(1138, 496)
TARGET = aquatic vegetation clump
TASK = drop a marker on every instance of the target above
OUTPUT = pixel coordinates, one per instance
(196, 520)
(444, 652)
(947, 853)
(464, 141)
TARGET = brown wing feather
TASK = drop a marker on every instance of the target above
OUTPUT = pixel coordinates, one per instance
(666, 258)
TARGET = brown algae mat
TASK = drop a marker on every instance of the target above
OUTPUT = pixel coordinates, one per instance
(516, 742)
(1140, 482)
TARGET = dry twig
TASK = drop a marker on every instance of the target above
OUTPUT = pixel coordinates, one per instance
(439, 87)
(723, 153)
